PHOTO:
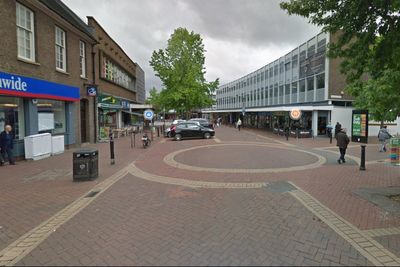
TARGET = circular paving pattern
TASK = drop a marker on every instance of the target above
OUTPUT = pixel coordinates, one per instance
(244, 158)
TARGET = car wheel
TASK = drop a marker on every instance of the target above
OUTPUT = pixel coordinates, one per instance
(178, 137)
(207, 135)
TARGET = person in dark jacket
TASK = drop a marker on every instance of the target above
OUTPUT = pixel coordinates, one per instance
(342, 142)
(6, 144)
(338, 127)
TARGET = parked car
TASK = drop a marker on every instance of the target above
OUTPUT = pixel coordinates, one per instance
(203, 122)
(168, 132)
(192, 130)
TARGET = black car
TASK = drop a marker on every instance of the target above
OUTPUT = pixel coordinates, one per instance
(204, 122)
(192, 130)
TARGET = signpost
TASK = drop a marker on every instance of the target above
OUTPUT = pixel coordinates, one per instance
(148, 114)
(359, 132)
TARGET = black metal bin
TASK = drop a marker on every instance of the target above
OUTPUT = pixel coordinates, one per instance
(86, 164)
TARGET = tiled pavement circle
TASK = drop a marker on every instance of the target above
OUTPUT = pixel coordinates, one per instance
(149, 219)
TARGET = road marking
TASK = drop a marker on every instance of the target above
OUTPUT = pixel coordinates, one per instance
(135, 171)
(17, 250)
(170, 160)
(280, 142)
(217, 140)
(362, 242)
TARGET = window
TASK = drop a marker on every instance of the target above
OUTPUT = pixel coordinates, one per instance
(321, 81)
(114, 73)
(25, 33)
(51, 116)
(302, 86)
(82, 58)
(294, 62)
(12, 113)
(287, 89)
(294, 88)
(60, 50)
(310, 83)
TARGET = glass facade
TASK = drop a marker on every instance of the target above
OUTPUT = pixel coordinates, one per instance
(12, 113)
(298, 77)
(51, 116)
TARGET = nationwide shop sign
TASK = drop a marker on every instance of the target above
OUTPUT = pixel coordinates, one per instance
(17, 85)
(359, 126)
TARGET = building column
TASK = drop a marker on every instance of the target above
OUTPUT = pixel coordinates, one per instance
(31, 117)
(315, 122)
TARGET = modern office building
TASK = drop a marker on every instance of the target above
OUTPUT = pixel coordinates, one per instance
(304, 79)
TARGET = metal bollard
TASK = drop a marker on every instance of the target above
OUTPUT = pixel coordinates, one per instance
(362, 165)
(112, 155)
(158, 131)
(131, 140)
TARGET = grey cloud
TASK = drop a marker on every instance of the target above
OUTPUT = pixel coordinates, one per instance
(142, 26)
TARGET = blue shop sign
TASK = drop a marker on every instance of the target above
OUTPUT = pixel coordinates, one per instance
(17, 85)
(125, 104)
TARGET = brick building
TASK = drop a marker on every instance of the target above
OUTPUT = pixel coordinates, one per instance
(115, 75)
(45, 65)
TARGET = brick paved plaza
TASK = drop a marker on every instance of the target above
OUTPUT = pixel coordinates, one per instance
(242, 198)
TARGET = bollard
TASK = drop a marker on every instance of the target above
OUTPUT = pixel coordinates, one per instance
(158, 131)
(131, 140)
(112, 149)
(362, 165)
(134, 139)
(330, 139)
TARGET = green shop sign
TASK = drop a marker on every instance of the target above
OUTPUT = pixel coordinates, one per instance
(109, 101)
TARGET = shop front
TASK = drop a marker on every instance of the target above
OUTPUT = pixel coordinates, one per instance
(109, 113)
(33, 106)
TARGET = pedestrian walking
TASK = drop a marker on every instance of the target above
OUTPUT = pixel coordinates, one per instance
(342, 142)
(329, 132)
(287, 131)
(383, 136)
(6, 145)
(338, 126)
(239, 124)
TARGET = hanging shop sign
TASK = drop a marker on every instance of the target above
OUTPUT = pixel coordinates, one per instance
(359, 126)
(91, 90)
(295, 114)
(17, 85)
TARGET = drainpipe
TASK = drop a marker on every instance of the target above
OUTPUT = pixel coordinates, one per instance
(95, 98)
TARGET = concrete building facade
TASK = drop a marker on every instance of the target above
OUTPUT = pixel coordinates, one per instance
(304, 79)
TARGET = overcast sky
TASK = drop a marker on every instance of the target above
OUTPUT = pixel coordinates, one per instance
(240, 36)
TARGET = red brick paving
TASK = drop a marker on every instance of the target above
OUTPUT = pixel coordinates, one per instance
(25, 203)
(142, 223)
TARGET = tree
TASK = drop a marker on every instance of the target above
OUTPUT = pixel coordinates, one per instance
(368, 42)
(155, 100)
(181, 69)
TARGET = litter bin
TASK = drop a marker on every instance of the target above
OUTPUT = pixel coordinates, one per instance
(85, 164)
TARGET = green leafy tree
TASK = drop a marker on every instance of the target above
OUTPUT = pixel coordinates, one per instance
(181, 69)
(368, 41)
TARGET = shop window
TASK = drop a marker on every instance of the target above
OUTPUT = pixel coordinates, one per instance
(51, 116)
(12, 113)
(25, 32)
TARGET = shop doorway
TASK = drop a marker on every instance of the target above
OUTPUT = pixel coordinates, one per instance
(322, 122)
(84, 120)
